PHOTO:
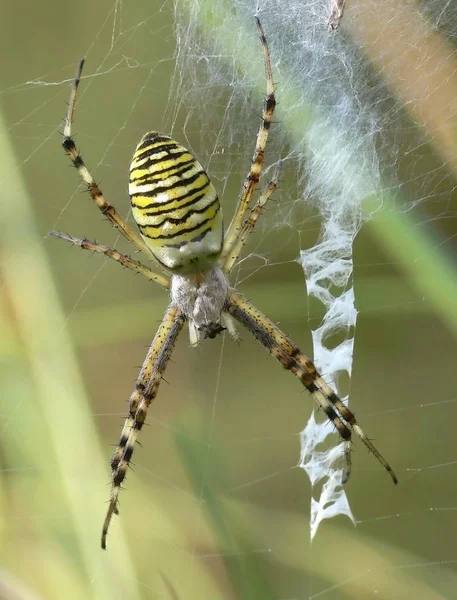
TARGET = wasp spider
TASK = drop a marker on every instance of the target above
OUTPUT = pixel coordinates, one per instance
(179, 216)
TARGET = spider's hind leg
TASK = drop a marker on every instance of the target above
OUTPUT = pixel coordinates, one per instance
(252, 179)
(94, 190)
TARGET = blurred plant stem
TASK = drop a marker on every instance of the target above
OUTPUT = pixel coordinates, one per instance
(50, 422)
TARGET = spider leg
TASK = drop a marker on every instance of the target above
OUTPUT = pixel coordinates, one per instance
(145, 391)
(251, 181)
(123, 259)
(249, 224)
(97, 196)
(336, 13)
(289, 355)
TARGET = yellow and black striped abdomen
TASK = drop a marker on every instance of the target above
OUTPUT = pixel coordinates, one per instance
(175, 205)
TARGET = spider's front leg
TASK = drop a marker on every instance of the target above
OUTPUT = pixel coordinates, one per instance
(290, 356)
(145, 391)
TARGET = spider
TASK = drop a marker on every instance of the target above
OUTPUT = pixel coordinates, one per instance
(179, 217)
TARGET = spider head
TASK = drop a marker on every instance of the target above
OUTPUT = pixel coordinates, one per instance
(210, 330)
(203, 331)
(201, 298)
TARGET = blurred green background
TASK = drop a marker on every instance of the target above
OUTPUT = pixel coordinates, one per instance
(216, 507)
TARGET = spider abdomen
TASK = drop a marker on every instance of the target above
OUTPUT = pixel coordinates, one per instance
(175, 205)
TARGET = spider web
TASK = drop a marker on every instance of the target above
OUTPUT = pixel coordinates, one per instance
(363, 221)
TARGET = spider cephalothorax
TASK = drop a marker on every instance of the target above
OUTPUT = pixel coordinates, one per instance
(179, 216)
(201, 299)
